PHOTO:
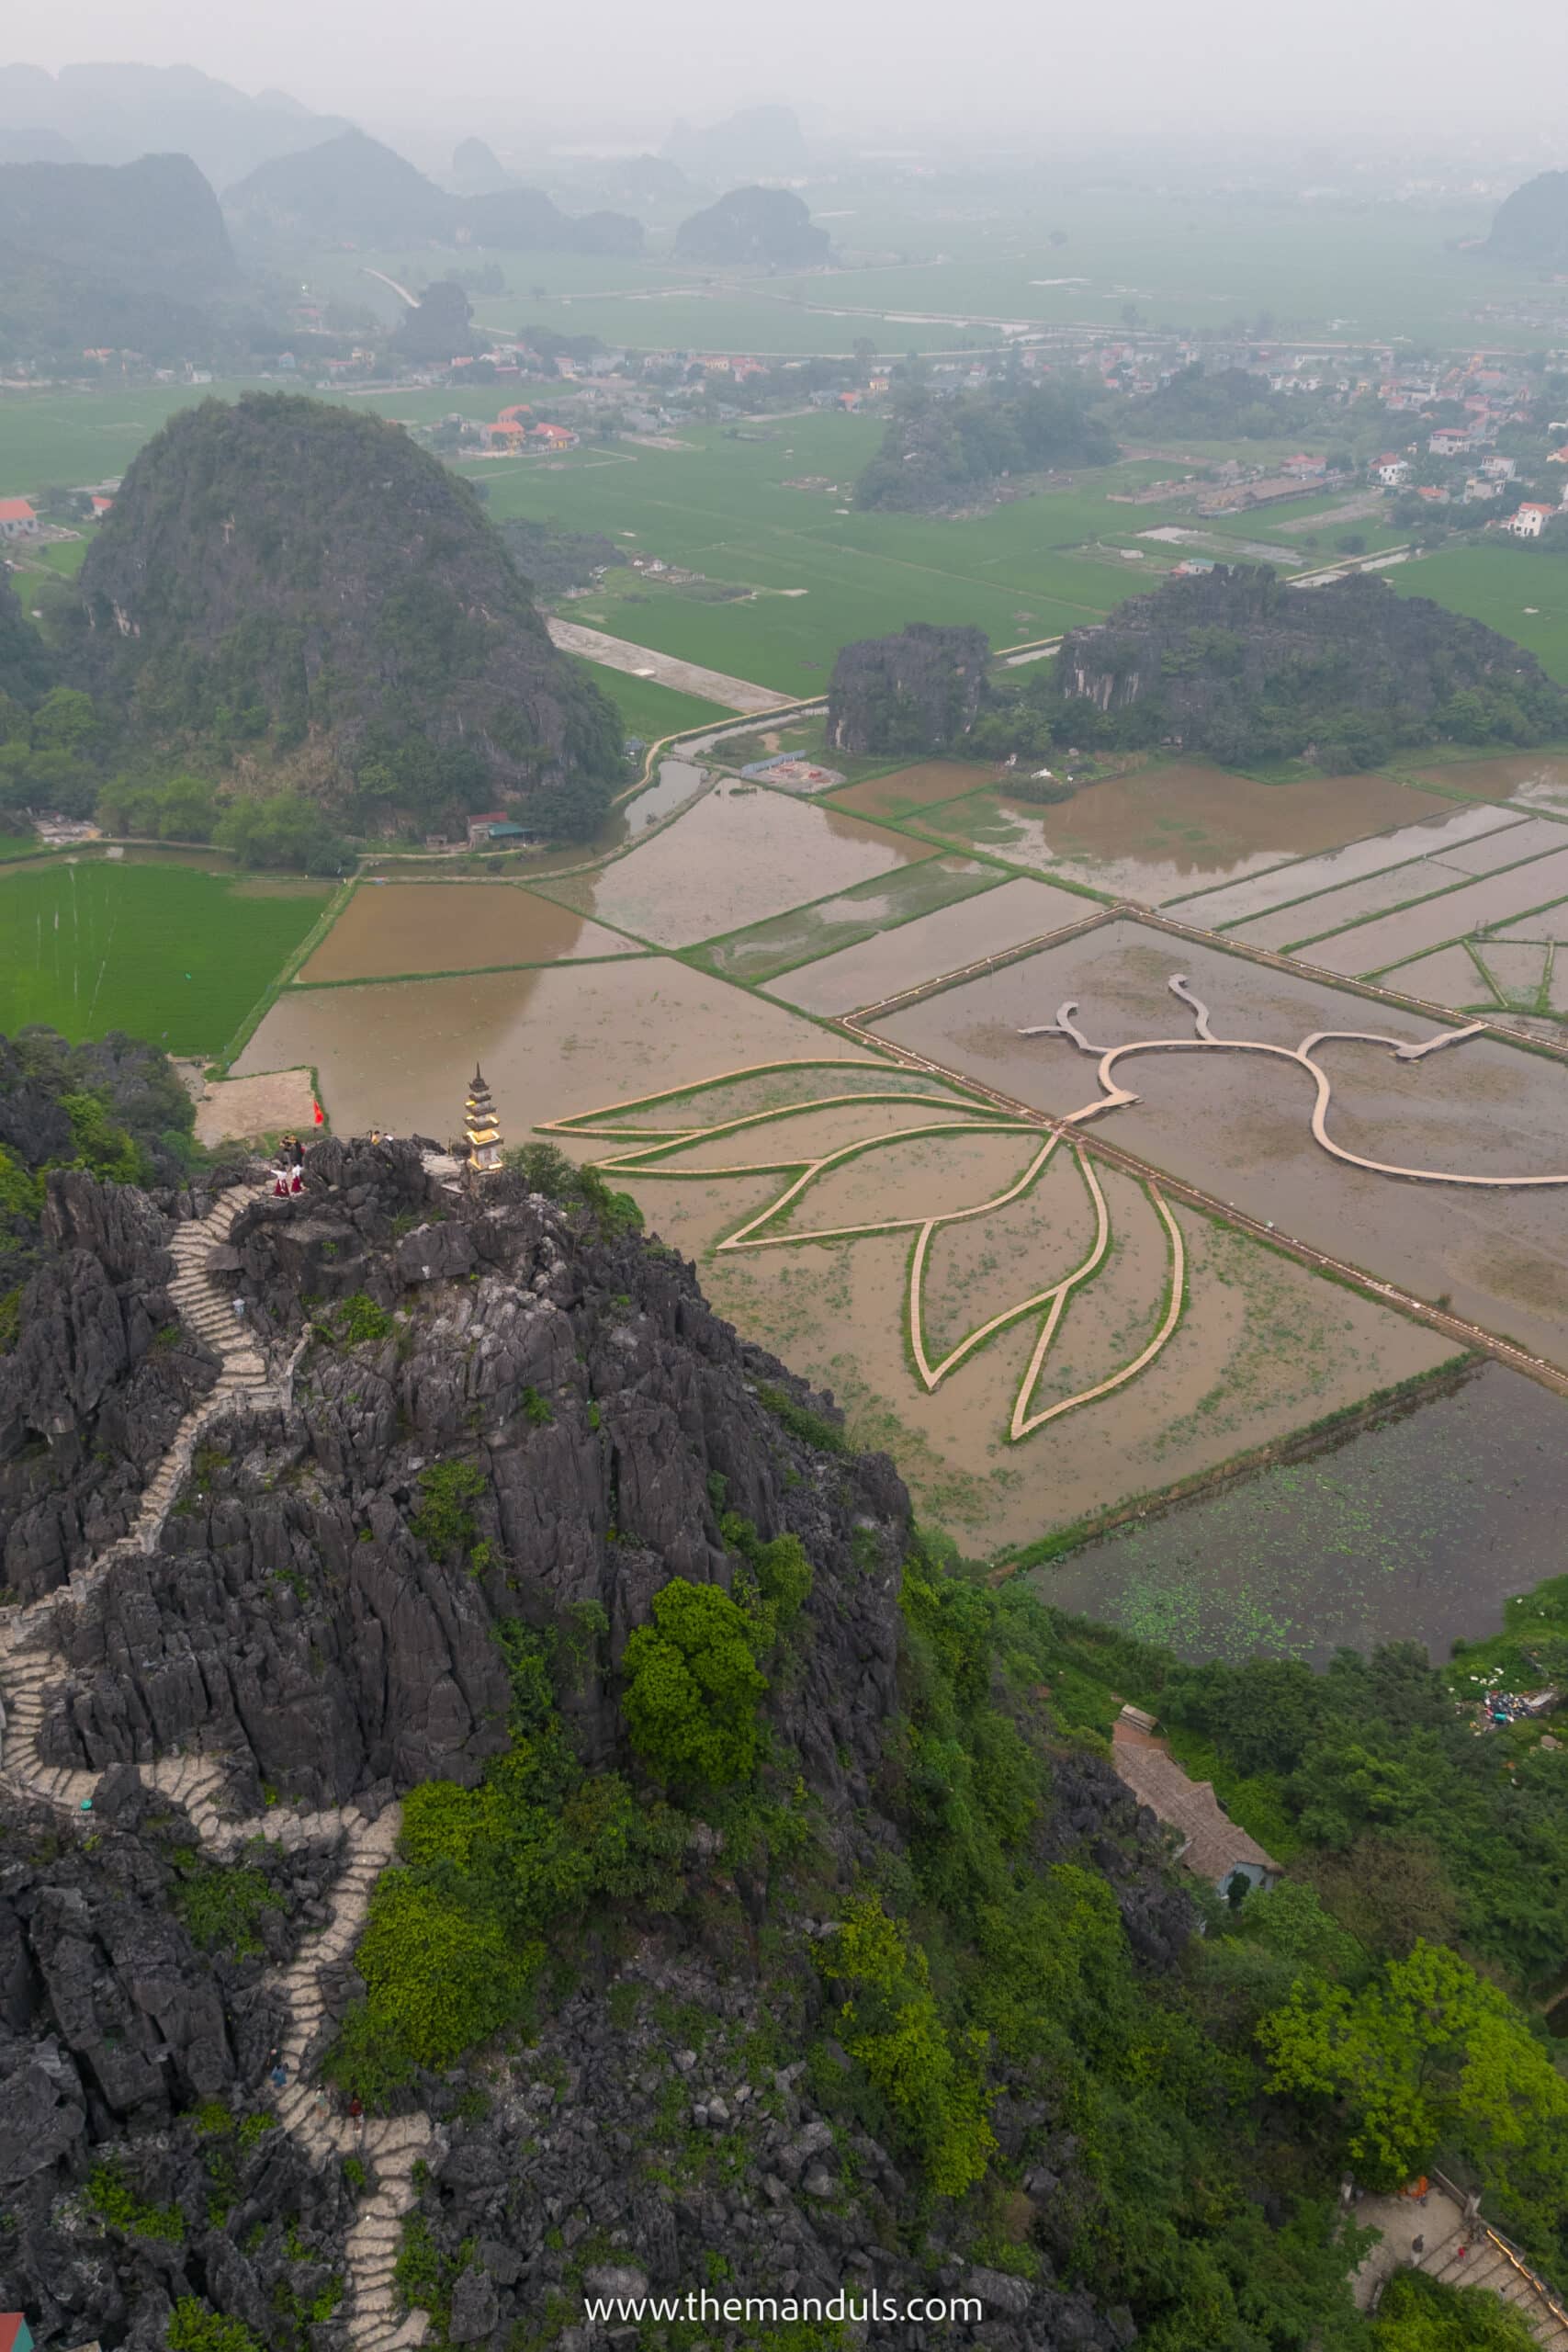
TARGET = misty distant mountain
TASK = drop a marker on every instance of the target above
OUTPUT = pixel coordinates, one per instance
(753, 224)
(127, 255)
(25, 143)
(111, 114)
(348, 190)
(1532, 225)
(354, 190)
(760, 143)
(477, 169)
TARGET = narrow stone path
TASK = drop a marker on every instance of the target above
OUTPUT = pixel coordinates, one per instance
(1461, 2250)
(30, 1663)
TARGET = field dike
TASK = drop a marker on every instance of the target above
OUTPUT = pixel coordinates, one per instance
(31, 1662)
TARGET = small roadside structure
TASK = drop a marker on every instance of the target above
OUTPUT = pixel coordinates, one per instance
(1211, 1845)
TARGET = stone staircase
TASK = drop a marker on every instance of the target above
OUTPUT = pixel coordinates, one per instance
(30, 1663)
(1479, 2257)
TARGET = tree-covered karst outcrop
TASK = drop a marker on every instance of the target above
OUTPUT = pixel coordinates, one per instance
(356, 190)
(304, 593)
(917, 692)
(27, 667)
(96, 253)
(1221, 403)
(1237, 664)
(765, 1917)
(760, 225)
(1532, 225)
(949, 451)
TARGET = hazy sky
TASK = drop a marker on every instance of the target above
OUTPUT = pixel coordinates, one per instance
(1404, 67)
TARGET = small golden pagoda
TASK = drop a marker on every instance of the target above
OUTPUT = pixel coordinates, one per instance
(481, 1128)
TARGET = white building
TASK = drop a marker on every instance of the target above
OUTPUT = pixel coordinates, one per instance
(17, 520)
(1529, 521)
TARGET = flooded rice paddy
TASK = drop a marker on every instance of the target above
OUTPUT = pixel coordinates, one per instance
(1416, 1528)
(1238, 1124)
(1393, 939)
(740, 855)
(863, 912)
(1517, 973)
(890, 960)
(392, 927)
(1431, 836)
(1536, 779)
(1159, 832)
(678, 781)
(557, 1039)
(910, 790)
(1302, 922)
(1449, 976)
(1309, 919)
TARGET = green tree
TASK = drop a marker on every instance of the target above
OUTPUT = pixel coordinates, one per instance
(1427, 2056)
(1420, 2314)
(692, 1687)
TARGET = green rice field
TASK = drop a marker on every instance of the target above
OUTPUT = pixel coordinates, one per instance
(1080, 252)
(649, 709)
(1516, 589)
(168, 951)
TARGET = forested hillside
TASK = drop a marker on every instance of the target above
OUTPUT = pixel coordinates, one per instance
(300, 595)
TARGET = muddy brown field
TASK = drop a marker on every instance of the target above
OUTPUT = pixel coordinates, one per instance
(1161, 831)
(942, 942)
(393, 927)
(741, 855)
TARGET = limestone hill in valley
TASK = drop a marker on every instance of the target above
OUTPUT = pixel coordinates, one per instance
(353, 189)
(764, 225)
(1532, 225)
(1238, 665)
(135, 254)
(940, 453)
(1233, 664)
(916, 691)
(303, 591)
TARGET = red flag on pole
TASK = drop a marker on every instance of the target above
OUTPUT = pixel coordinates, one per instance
(320, 1115)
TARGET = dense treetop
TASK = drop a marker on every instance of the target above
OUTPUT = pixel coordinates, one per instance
(942, 451)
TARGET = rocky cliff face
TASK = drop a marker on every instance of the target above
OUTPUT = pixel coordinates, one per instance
(917, 692)
(296, 1620)
(310, 1626)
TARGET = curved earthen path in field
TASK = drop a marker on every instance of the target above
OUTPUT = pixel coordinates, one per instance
(1116, 1097)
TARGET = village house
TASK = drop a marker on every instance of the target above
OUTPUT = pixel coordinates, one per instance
(1391, 469)
(552, 437)
(1498, 468)
(1448, 441)
(17, 520)
(1529, 521)
(1208, 1842)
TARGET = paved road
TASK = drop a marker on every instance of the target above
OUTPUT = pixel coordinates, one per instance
(642, 662)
